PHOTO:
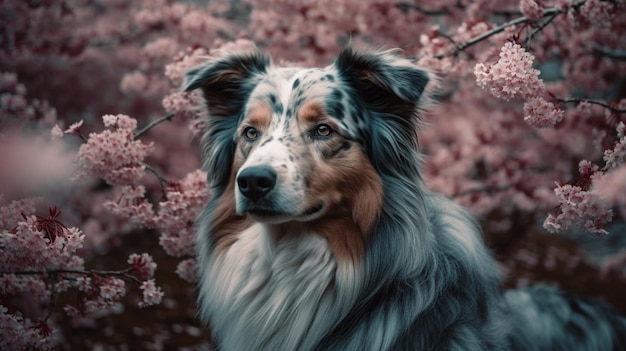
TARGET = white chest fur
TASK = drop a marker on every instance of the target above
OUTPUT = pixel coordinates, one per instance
(266, 295)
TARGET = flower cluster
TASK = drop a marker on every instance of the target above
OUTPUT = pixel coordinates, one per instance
(152, 294)
(531, 9)
(578, 207)
(143, 265)
(114, 154)
(175, 216)
(512, 76)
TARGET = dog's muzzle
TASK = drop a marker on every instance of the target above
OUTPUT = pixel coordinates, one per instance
(256, 182)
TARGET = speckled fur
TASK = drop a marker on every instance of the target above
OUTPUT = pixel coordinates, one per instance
(357, 254)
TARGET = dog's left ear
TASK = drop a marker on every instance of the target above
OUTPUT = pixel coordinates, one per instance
(392, 90)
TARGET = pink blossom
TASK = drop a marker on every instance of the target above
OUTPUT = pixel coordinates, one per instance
(142, 264)
(161, 49)
(114, 154)
(134, 82)
(132, 205)
(12, 213)
(512, 76)
(74, 128)
(191, 57)
(188, 270)
(598, 13)
(611, 186)
(178, 213)
(56, 132)
(616, 156)
(186, 104)
(119, 122)
(100, 296)
(540, 113)
(578, 207)
(152, 294)
(20, 333)
(530, 9)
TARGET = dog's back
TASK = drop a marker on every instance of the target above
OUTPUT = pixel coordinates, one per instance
(546, 318)
(321, 235)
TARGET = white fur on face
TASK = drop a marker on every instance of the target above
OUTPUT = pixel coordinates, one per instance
(282, 146)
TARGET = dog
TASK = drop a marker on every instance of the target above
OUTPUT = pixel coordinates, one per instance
(320, 234)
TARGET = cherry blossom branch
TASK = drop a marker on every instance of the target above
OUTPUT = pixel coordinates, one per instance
(54, 272)
(162, 181)
(541, 27)
(153, 124)
(52, 301)
(594, 102)
(553, 11)
(612, 53)
(428, 12)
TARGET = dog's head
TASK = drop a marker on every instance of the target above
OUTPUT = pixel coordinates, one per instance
(294, 144)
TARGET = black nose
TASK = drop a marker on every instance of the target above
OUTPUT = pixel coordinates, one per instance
(255, 182)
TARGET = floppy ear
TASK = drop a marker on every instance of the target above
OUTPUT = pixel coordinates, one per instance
(226, 85)
(391, 89)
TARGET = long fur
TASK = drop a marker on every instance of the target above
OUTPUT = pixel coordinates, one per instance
(381, 263)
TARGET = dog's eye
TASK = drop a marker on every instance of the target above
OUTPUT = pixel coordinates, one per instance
(322, 130)
(250, 133)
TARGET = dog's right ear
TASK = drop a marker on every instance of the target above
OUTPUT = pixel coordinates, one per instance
(226, 85)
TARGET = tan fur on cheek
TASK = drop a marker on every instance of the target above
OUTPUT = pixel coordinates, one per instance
(368, 199)
(355, 191)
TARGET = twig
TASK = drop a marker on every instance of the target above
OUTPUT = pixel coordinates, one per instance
(553, 11)
(541, 27)
(124, 273)
(616, 54)
(595, 102)
(162, 181)
(427, 12)
(152, 125)
(52, 303)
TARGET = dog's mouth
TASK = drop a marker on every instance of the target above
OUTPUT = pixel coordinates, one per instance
(264, 214)
(313, 210)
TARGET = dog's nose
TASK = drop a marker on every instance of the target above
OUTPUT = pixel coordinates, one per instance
(255, 182)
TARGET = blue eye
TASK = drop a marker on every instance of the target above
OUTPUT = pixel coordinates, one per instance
(250, 133)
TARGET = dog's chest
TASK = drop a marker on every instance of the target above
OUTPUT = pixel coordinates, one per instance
(275, 296)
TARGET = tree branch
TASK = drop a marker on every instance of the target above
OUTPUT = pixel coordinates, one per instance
(54, 273)
(541, 27)
(152, 124)
(549, 12)
(616, 54)
(162, 181)
(595, 102)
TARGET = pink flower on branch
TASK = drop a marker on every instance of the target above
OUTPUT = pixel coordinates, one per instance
(143, 265)
(540, 113)
(616, 155)
(578, 207)
(512, 77)
(113, 154)
(152, 294)
(531, 9)
(188, 270)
